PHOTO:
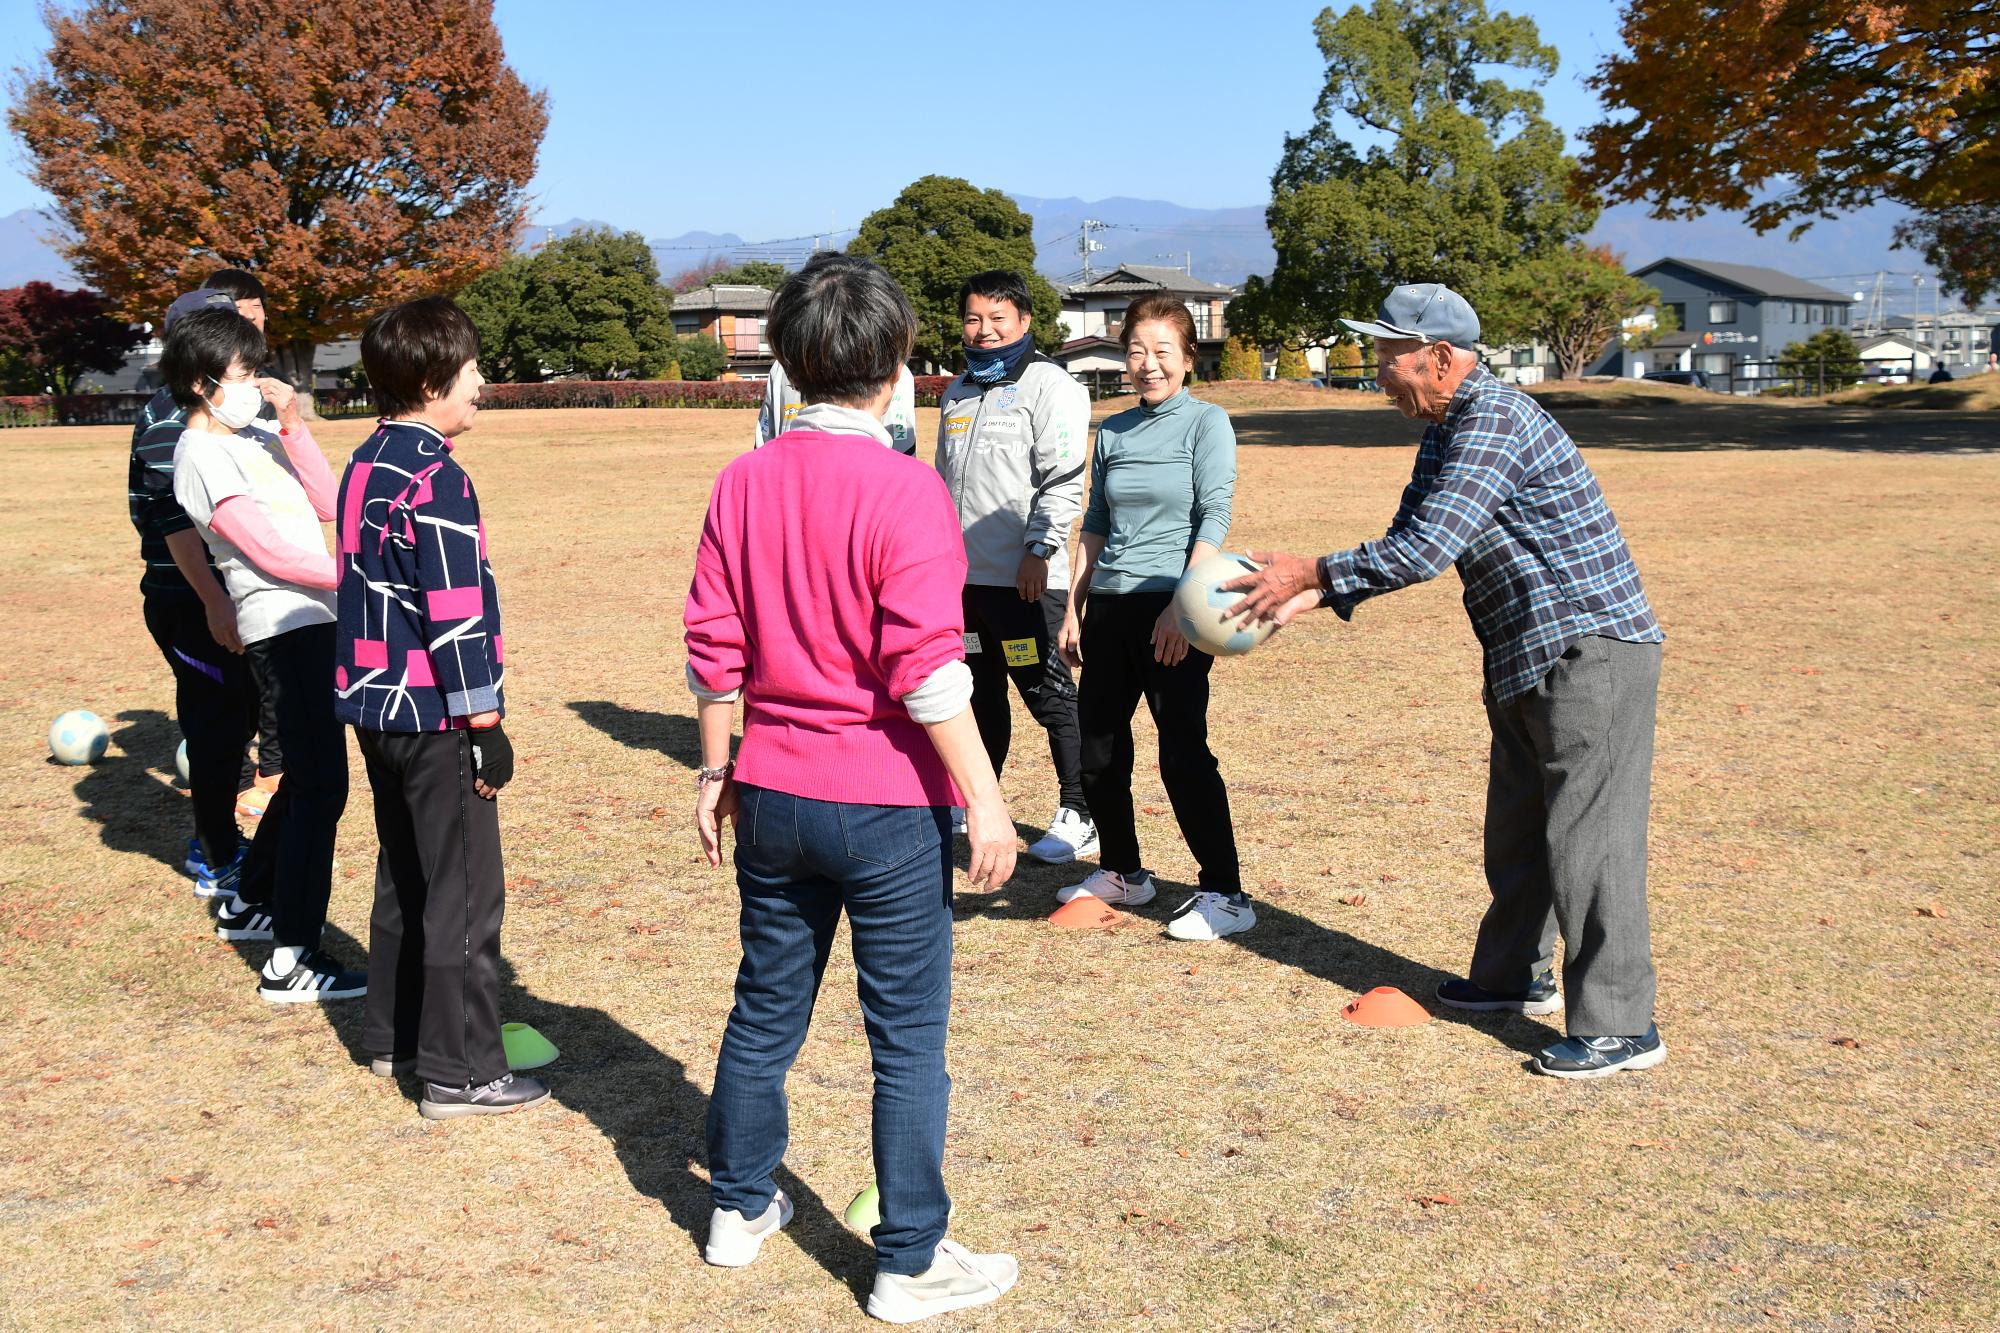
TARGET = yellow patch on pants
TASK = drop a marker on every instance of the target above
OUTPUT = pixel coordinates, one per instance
(1020, 652)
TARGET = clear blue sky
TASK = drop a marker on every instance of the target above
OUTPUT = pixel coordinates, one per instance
(775, 119)
(778, 118)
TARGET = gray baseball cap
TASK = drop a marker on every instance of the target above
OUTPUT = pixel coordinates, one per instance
(1427, 310)
(201, 298)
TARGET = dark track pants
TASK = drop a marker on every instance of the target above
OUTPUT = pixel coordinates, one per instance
(440, 889)
(215, 702)
(290, 867)
(1118, 671)
(1017, 641)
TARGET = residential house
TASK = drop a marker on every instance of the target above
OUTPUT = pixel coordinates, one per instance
(1959, 340)
(735, 316)
(141, 371)
(1094, 313)
(1734, 320)
(1896, 355)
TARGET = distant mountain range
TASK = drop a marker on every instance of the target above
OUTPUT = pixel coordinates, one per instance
(1222, 245)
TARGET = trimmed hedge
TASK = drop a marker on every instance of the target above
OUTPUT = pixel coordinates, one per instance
(27, 410)
(119, 408)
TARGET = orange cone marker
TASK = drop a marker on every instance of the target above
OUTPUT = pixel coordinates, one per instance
(1085, 912)
(1385, 1007)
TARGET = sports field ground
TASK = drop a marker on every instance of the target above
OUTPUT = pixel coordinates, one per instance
(1167, 1135)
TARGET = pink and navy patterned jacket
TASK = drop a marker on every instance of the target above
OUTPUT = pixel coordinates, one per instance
(419, 646)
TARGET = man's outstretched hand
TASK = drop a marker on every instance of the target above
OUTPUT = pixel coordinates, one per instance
(1285, 586)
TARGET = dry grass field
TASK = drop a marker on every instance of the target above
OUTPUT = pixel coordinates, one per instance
(1167, 1135)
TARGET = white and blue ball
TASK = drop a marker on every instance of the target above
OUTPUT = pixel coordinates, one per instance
(79, 737)
(1206, 613)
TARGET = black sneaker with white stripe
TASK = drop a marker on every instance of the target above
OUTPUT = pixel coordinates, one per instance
(239, 921)
(313, 978)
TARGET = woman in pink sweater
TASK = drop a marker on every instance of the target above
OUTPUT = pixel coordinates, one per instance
(826, 597)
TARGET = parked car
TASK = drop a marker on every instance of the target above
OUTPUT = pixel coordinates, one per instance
(1696, 379)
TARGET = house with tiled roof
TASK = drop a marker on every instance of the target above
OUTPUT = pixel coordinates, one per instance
(1094, 312)
(734, 315)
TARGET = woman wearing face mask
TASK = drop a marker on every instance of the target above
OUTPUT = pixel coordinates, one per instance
(1161, 485)
(258, 499)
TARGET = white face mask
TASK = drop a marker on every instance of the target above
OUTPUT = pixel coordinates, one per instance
(239, 406)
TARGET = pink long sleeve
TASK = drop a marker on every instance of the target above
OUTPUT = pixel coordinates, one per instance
(239, 520)
(314, 474)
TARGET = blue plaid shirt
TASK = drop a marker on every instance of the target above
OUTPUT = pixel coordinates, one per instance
(1500, 490)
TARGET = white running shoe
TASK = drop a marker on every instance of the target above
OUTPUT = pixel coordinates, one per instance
(1112, 887)
(956, 1280)
(958, 821)
(1071, 837)
(734, 1241)
(1210, 916)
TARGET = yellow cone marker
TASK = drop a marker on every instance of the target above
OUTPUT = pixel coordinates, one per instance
(526, 1048)
(866, 1210)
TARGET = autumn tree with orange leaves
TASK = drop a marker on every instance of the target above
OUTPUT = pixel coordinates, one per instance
(1790, 110)
(351, 153)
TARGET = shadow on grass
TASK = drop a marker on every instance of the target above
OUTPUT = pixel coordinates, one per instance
(1641, 423)
(676, 737)
(134, 808)
(642, 1101)
(1284, 937)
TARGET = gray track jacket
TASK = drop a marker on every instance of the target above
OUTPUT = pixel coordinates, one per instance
(1014, 456)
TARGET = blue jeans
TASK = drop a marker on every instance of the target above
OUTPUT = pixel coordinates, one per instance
(798, 863)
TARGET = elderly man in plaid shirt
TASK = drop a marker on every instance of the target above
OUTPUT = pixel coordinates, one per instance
(1572, 666)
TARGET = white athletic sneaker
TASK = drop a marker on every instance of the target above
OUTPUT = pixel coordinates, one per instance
(1071, 836)
(1112, 887)
(733, 1241)
(958, 821)
(956, 1280)
(1210, 916)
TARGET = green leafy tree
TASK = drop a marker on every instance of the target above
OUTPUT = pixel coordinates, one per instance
(1575, 300)
(1241, 359)
(1344, 357)
(1292, 363)
(751, 273)
(589, 304)
(1830, 359)
(1462, 176)
(940, 231)
(492, 301)
(698, 356)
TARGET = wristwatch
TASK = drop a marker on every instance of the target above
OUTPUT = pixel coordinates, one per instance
(704, 776)
(1042, 550)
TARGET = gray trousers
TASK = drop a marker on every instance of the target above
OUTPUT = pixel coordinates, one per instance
(1567, 799)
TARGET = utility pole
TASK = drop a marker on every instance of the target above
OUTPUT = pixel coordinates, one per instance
(1086, 247)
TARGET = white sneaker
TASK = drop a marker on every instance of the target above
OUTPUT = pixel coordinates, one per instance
(734, 1241)
(1112, 887)
(1210, 916)
(956, 1280)
(1071, 837)
(958, 821)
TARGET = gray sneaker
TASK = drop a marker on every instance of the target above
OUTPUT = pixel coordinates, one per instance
(509, 1092)
(734, 1240)
(956, 1280)
(1601, 1057)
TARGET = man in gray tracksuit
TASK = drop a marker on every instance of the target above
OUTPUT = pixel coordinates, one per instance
(1013, 446)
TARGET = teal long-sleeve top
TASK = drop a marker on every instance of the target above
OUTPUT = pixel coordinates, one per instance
(1162, 478)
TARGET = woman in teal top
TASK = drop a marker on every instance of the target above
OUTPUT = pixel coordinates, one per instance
(1161, 483)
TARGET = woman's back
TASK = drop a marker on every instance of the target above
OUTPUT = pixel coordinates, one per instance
(827, 587)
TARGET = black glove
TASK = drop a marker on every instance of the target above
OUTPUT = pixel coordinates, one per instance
(492, 756)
